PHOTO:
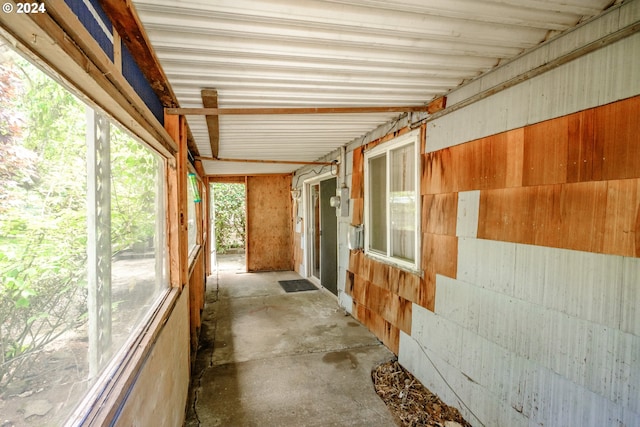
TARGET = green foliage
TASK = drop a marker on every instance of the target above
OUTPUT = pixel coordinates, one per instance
(43, 221)
(133, 192)
(229, 215)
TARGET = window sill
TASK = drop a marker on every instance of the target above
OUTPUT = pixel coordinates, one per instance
(396, 264)
(102, 403)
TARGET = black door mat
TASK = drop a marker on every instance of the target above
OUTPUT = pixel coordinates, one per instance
(297, 285)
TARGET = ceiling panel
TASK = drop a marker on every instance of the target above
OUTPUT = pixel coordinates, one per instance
(332, 53)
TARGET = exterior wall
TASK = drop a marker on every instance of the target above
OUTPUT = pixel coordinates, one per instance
(158, 396)
(532, 200)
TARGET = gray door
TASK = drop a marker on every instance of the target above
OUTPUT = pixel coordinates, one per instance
(328, 237)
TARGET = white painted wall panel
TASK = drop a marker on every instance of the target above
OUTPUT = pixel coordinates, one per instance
(468, 211)
(504, 387)
(606, 75)
(581, 284)
(601, 361)
(630, 310)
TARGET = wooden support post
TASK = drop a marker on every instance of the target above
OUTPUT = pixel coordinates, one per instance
(177, 212)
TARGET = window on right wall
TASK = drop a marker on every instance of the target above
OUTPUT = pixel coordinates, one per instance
(392, 220)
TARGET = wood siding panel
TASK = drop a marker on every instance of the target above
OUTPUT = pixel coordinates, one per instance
(515, 153)
(597, 216)
(439, 213)
(385, 331)
(581, 149)
(546, 152)
(617, 130)
(382, 297)
(269, 223)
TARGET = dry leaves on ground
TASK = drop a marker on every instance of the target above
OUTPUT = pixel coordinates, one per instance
(411, 403)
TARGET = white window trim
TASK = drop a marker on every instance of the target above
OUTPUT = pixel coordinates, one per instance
(403, 140)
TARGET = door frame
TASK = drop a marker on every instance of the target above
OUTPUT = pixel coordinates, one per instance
(308, 241)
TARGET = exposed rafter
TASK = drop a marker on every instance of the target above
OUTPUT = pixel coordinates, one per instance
(210, 100)
(302, 110)
(283, 162)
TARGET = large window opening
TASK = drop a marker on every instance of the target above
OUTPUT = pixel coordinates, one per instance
(392, 201)
(82, 249)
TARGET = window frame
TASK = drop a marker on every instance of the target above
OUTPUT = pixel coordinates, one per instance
(111, 385)
(385, 149)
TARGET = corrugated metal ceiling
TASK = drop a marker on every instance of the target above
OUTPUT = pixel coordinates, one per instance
(332, 53)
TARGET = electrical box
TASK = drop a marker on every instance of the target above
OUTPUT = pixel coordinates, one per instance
(356, 237)
(344, 201)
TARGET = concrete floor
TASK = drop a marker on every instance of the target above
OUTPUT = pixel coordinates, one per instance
(268, 358)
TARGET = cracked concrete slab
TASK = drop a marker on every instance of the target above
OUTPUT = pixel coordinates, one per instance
(268, 358)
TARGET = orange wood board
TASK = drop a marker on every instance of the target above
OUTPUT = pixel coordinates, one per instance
(598, 216)
(269, 223)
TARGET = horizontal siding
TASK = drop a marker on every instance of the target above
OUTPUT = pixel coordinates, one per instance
(604, 76)
(504, 388)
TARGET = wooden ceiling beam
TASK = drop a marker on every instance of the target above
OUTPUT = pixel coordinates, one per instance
(295, 110)
(210, 100)
(284, 162)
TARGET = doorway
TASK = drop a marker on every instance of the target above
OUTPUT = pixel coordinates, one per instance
(228, 225)
(323, 234)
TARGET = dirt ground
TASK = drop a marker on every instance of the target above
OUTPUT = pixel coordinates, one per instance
(411, 403)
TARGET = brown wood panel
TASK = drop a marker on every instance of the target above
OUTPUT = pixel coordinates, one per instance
(405, 284)
(428, 290)
(177, 205)
(581, 148)
(360, 287)
(269, 223)
(393, 308)
(227, 179)
(466, 165)
(437, 175)
(385, 331)
(380, 274)
(546, 152)
(617, 127)
(582, 216)
(366, 267)
(515, 153)
(440, 254)
(439, 213)
(357, 177)
(596, 216)
(357, 211)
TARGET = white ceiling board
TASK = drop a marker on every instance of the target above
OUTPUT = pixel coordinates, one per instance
(332, 53)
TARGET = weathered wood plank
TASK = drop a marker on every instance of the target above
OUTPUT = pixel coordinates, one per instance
(210, 100)
(581, 148)
(546, 152)
(439, 213)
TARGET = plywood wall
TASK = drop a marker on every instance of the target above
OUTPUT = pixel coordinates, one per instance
(158, 396)
(269, 223)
